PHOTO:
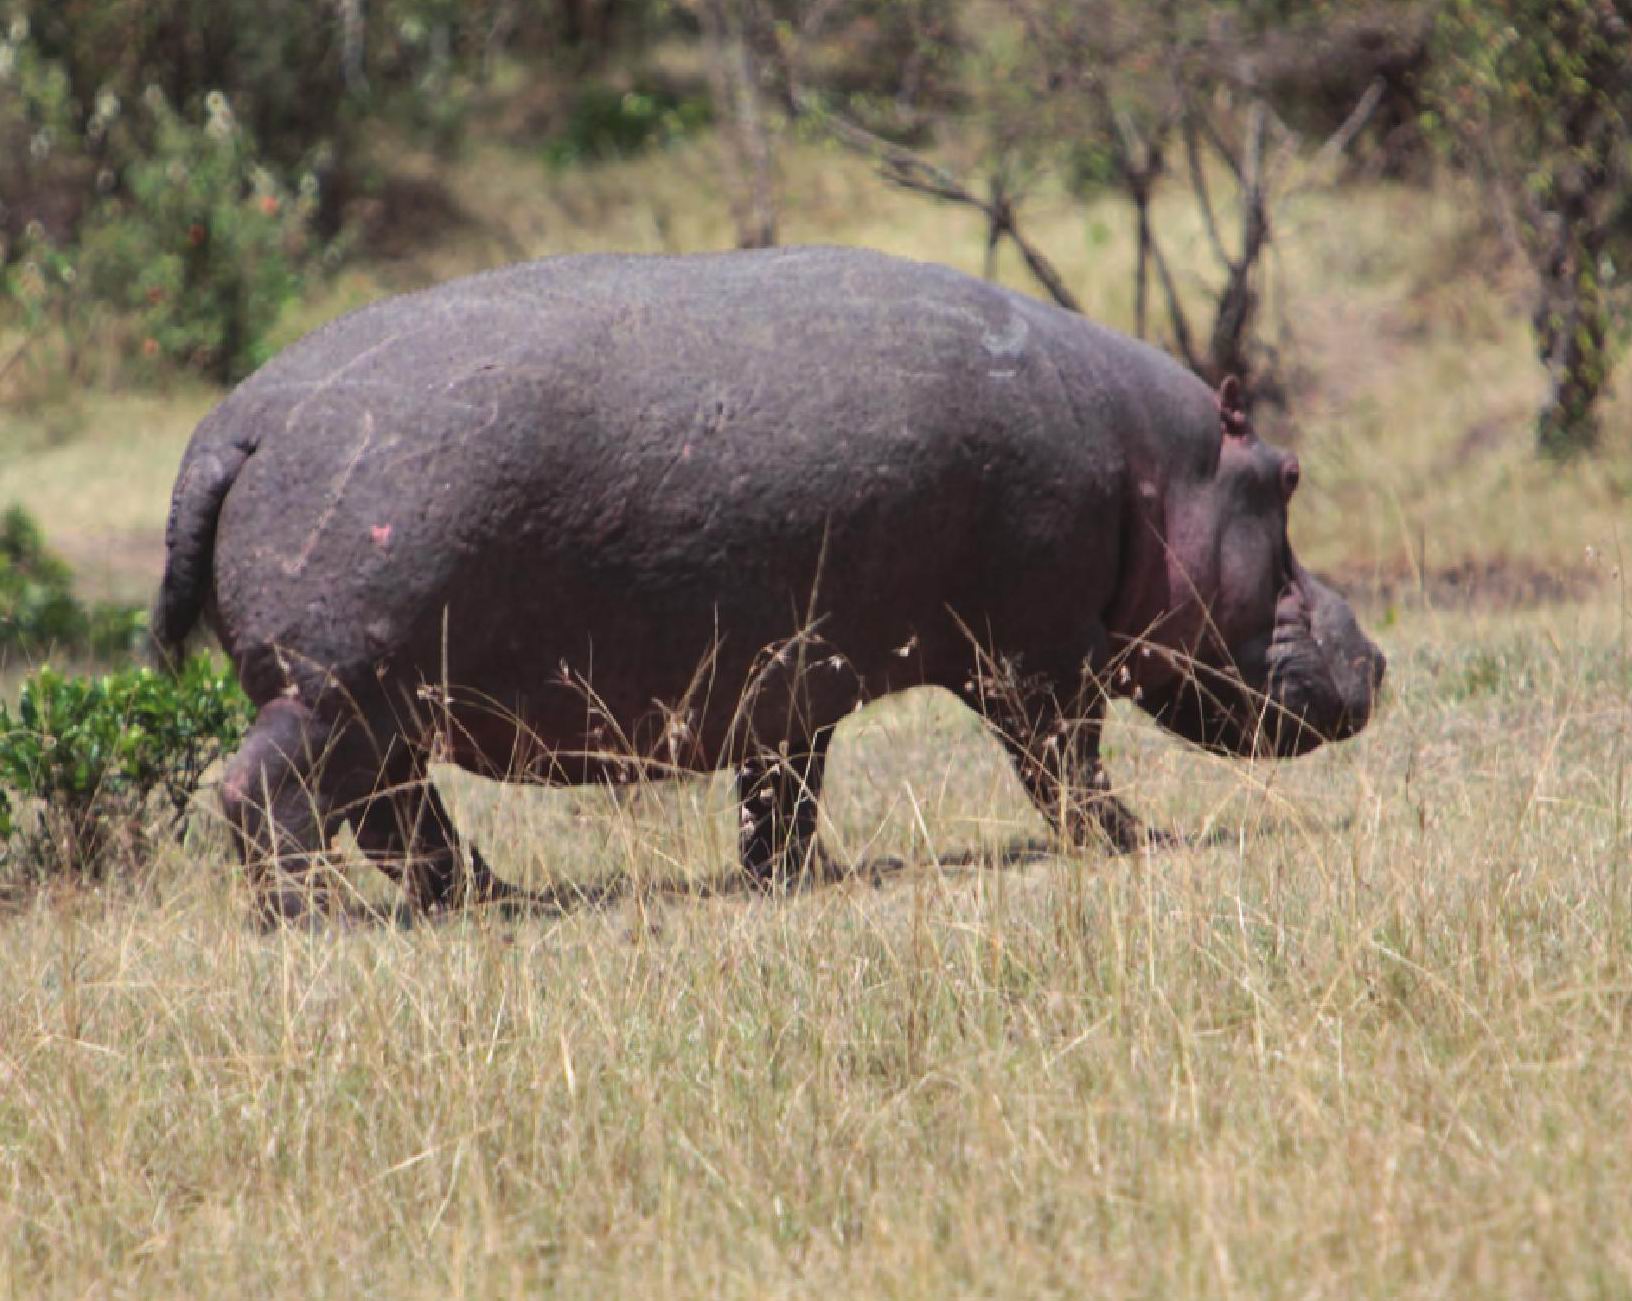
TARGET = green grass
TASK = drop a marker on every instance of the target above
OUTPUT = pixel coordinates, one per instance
(1371, 1034)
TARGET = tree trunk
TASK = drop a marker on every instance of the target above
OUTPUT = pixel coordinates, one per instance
(1572, 328)
(734, 84)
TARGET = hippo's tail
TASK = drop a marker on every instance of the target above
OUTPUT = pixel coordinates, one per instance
(207, 473)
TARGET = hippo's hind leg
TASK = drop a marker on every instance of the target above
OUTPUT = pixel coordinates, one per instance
(276, 809)
(297, 777)
(406, 831)
(777, 792)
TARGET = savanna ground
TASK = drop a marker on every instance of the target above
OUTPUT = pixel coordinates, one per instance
(1368, 1029)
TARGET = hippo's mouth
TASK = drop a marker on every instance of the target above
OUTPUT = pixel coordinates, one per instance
(1314, 678)
(1323, 673)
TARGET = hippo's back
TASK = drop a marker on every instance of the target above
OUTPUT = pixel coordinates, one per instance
(593, 449)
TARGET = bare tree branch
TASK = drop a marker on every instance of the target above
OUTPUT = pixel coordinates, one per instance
(1042, 269)
(1175, 312)
(1198, 184)
(1253, 223)
(998, 190)
(1141, 271)
(912, 171)
(1339, 141)
(1219, 144)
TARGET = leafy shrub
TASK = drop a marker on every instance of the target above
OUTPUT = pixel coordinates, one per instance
(41, 288)
(173, 219)
(38, 608)
(1537, 95)
(36, 591)
(91, 753)
(605, 123)
(301, 77)
(205, 246)
(184, 160)
(44, 172)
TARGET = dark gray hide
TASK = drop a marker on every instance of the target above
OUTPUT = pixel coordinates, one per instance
(693, 509)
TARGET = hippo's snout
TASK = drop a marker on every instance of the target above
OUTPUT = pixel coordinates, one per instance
(1355, 664)
(1362, 680)
(1324, 674)
(1372, 667)
(1313, 677)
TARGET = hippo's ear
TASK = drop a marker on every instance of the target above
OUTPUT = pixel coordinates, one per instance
(1232, 410)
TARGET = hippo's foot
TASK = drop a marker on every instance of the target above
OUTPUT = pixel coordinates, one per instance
(276, 814)
(304, 904)
(777, 857)
(406, 832)
(1097, 816)
(297, 778)
(776, 796)
(1068, 784)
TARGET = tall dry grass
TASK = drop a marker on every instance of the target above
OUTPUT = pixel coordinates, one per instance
(1367, 1033)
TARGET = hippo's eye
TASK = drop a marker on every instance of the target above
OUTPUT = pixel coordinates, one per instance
(1290, 474)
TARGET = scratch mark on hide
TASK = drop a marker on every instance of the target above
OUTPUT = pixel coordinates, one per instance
(324, 385)
(294, 567)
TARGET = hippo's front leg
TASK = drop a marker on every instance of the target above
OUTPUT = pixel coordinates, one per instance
(1056, 754)
(777, 792)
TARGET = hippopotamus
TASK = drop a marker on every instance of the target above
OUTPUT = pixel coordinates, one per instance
(593, 516)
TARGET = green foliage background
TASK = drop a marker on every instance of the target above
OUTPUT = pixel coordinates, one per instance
(1537, 95)
(187, 165)
(39, 611)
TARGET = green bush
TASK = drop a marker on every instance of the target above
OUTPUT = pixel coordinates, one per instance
(605, 123)
(90, 754)
(1537, 96)
(37, 603)
(174, 219)
(183, 161)
(41, 287)
(300, 77)
(38, 609)
(204, 247)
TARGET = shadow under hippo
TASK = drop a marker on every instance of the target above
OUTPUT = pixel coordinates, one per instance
(693, 510)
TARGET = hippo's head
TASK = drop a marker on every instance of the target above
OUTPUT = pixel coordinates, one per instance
(1270, 660)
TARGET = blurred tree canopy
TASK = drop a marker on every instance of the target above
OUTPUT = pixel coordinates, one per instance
(191, 164)
(1536, 95)
(189, 161)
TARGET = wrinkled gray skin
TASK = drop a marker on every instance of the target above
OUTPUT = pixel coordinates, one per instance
(694, 510)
